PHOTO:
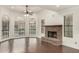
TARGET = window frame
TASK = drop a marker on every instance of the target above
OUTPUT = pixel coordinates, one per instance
(68, 26)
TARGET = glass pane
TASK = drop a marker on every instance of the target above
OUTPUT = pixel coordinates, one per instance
(42, 26)
(68, 26)
(66, 21)
(5, 28)
(70, 34)
(19, 28)
(32, 27)
(66, 34)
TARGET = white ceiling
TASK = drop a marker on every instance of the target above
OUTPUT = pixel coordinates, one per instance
(37, 8)
(58, 7)
(21, 8)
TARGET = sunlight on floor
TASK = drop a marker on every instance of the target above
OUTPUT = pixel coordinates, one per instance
(18, 46)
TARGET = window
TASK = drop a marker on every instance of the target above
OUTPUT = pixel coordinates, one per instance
(19, 28)
(42, 26)
(5, 27)
(32, 27)
(68, 26)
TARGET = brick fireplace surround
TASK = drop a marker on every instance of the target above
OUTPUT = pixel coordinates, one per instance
(57, 40)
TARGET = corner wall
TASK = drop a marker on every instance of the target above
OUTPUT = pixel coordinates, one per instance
(72, 42)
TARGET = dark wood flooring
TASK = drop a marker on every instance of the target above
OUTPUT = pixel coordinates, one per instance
(33, 47)
(48, 48)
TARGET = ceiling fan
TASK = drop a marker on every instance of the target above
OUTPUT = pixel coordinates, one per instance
(27, 10)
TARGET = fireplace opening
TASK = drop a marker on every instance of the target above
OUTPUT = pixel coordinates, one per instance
(52, 34)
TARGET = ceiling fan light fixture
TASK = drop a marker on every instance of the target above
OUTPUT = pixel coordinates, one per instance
(26, 15)
(28, 11)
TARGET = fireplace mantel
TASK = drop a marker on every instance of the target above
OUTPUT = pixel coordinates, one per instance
(52, 25)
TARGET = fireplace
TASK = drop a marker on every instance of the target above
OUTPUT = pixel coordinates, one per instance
(52, 34)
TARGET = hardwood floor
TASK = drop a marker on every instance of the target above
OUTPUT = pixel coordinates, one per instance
(66, 49)
(33, 47)
(48, 48)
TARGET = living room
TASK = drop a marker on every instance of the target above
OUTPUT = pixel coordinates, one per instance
(39, 28)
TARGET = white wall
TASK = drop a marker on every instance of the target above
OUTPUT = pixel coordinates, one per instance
(72, 42)
(51, 17)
